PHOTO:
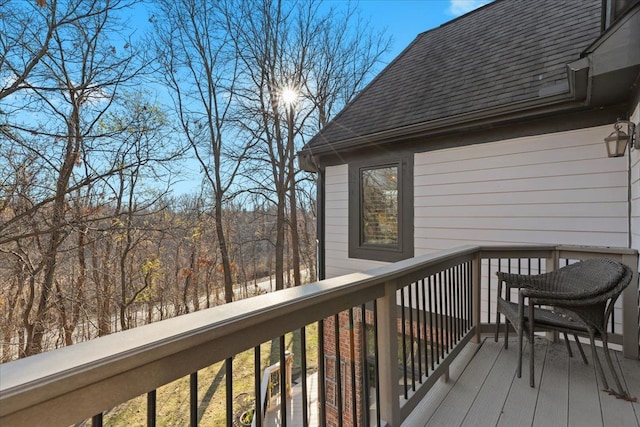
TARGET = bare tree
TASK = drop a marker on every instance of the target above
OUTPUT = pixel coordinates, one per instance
(259, 30)
(53, 110)
(27, 31)
(140, 126)
(285, 48)
(347, 52)
(88, 239)
(201, 71)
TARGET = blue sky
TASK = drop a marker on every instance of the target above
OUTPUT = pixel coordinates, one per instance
(405, 19)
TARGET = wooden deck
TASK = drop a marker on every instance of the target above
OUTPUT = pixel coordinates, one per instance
(483, 390)
(294, 406)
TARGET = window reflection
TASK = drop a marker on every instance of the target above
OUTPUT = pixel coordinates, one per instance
(379, 206)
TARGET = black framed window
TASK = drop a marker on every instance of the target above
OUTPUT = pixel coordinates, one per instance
(381, 210)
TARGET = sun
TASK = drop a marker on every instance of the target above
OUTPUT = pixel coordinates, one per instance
(289, 96)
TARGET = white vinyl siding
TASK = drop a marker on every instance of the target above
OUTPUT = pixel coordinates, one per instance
(635, 186)
(337, 225)
(554, 188)
(635, 206)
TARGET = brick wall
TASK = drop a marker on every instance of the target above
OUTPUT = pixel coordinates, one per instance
(351, 357)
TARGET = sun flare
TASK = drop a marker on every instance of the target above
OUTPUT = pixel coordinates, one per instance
(289, 96)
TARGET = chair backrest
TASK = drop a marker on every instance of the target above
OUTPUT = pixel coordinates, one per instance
(614, 293)
(587, 278)
(588, 288)
(596, 310)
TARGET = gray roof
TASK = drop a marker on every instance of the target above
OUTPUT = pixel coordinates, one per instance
(506, 52)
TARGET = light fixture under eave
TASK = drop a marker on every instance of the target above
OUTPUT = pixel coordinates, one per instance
(617, 141)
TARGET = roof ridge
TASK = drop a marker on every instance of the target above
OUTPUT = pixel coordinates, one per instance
(471, 12)
(457, 18)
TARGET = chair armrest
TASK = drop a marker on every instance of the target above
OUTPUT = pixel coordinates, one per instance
(513, 280)
(569, 302)
(555, 296)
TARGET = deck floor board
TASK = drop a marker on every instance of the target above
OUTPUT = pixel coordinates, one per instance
(551, 409)
(584, 396)
(463, 394)
(567, 391)
(487, 406)
(434, 398)
(520, 404)
(631, 376)
(615, 412)
(484, 390)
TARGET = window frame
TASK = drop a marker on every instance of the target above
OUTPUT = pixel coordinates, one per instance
(381, 252)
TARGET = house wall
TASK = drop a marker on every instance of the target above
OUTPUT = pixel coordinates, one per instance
(552, 188)
(635, 197)
(558, 188)
(555, 188)
(635, 186)
(337, 260)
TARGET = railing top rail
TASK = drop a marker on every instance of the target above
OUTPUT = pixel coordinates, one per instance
(486, 250)
(596, 249)
(42, 377)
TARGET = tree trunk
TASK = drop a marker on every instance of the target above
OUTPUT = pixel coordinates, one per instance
(224, 250)
(36, 336)
(280, 224)
(295, 239)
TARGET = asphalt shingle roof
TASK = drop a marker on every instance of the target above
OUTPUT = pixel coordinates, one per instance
(508, 51)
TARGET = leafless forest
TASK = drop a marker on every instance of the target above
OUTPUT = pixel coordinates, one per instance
(106, 106)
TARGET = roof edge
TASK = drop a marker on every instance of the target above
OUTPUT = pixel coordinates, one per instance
(517, 110)
(471, 12)
(375, 79)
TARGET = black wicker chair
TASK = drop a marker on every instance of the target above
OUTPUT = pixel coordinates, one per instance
(576, 299)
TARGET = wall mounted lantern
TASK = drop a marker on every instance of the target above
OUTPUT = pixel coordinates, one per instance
(617, 141)
(616, 145)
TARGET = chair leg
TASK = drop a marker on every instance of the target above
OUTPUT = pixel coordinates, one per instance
(532, 345)
(520, 355)
(506, 335)
(497, 326)
(584, 357)
(607, 356)
(597, 360)
(520, 337)
(531, 356)
(566, 341)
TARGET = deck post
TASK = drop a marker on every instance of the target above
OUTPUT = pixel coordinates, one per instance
(476, 282)
(630, 316)
(552, 262)
(446, 376)
(388, 357)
